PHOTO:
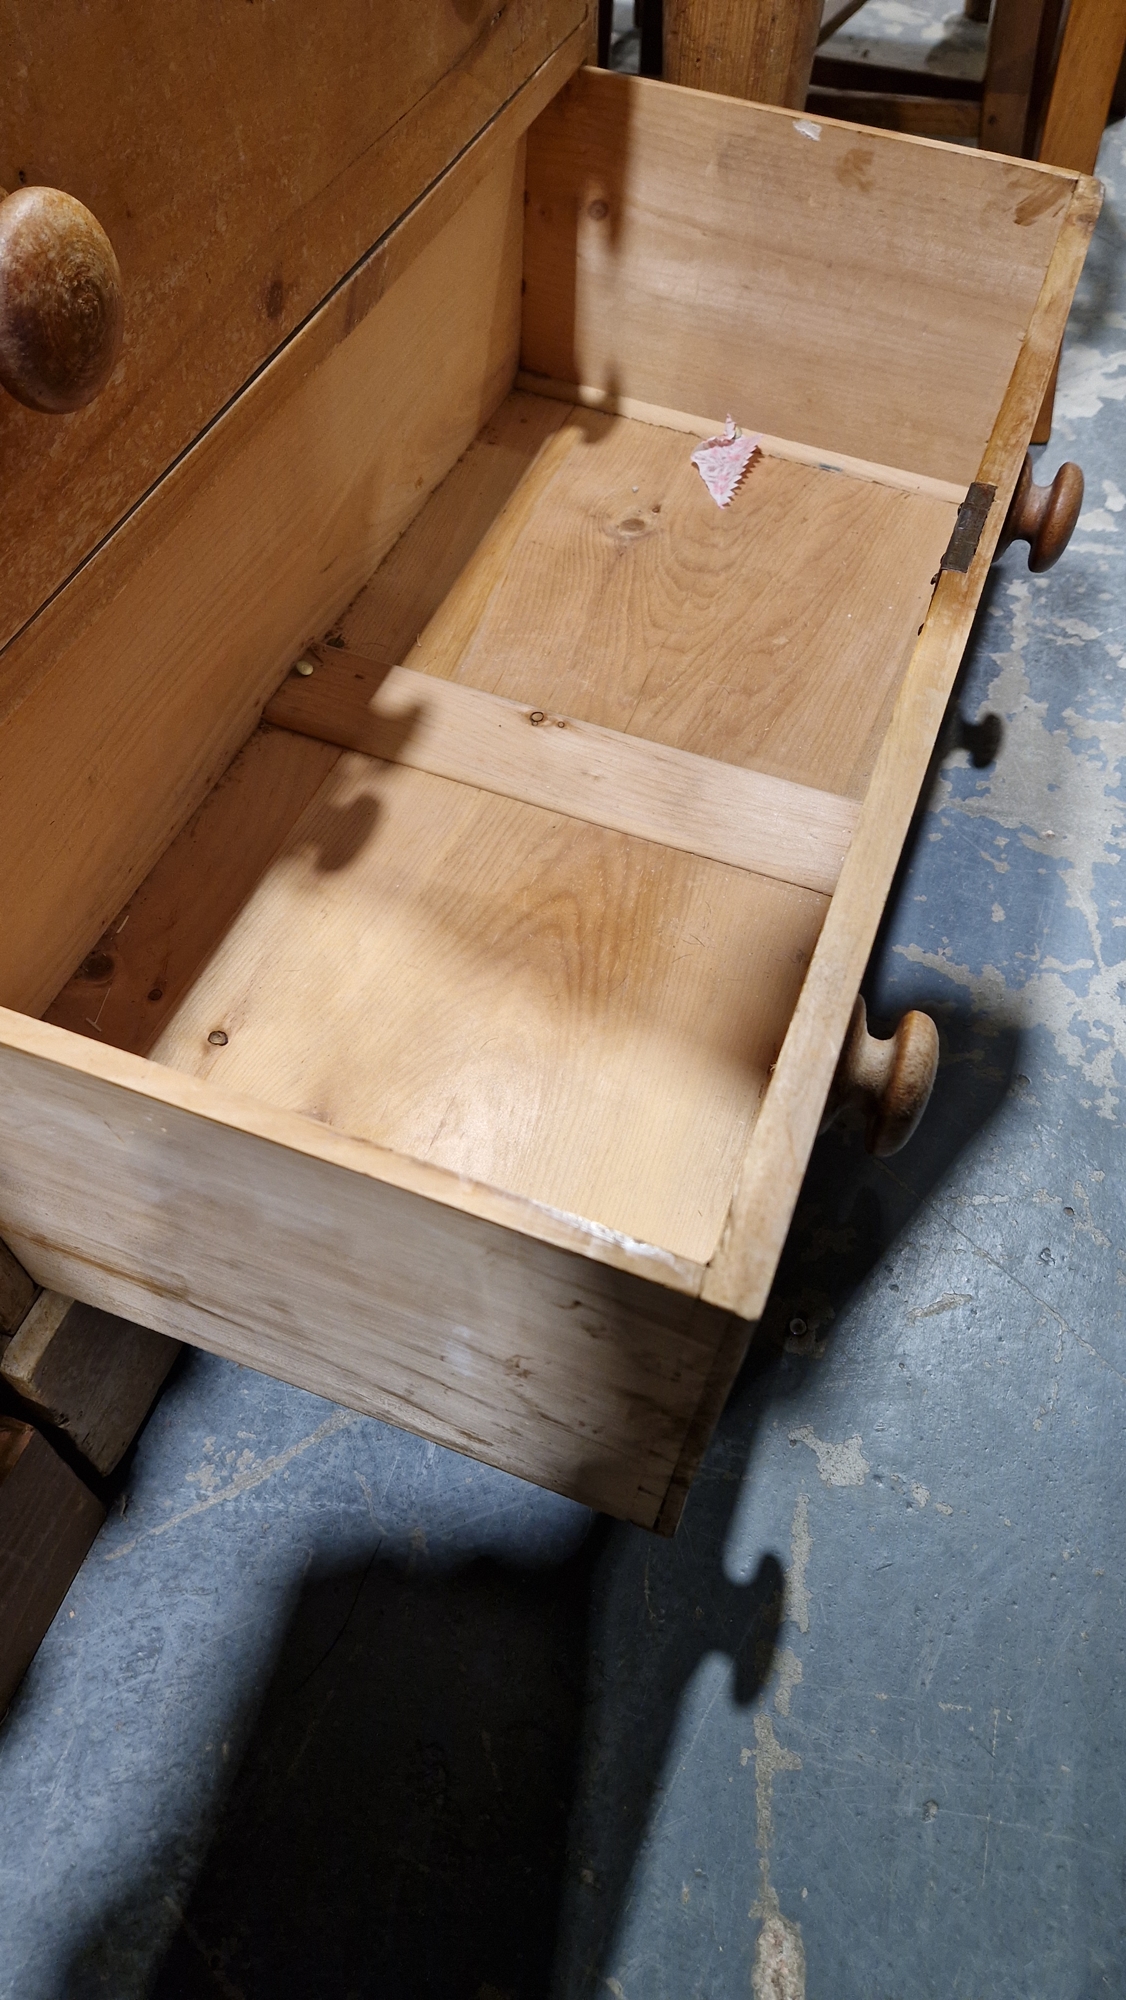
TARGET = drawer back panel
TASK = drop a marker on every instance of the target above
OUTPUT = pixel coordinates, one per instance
(848, 289)
(242, 159)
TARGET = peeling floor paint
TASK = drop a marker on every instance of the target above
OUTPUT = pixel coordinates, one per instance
(838, 1464)
(801, 1549)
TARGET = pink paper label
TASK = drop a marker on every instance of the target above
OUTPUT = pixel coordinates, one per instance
(722, 461)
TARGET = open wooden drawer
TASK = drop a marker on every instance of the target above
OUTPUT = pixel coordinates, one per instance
(457, 1049)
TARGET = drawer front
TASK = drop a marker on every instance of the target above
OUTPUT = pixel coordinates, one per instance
(270, 1244)
(241, 159)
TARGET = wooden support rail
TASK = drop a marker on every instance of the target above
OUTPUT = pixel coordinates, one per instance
(724, 812)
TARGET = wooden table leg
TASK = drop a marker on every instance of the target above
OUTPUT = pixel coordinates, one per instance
(1010, 73)
(762, 49)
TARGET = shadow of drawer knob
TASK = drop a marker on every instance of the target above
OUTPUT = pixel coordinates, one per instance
(61, 312)
(890, 1081)
(1045, 516)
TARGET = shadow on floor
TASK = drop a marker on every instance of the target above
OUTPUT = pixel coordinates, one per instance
(398, 1825)
(452, 1773)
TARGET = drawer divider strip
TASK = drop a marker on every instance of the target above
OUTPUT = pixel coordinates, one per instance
(724, 812)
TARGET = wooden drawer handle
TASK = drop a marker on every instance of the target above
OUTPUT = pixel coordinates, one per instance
(890, 1080)
(61, 311)
(1045, 516)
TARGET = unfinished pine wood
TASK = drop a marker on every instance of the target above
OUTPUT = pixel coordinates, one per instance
(566, 1346)
(745, 48)
(141, 967)
(260, 1235)
(136, 689)
(719, 811)
(741, 1272)
(418, 573)
(611, 588)
(48, 1520)
(614, 405)
(89, 1374)
(579, 1017)
(236, 196)
(898, 350)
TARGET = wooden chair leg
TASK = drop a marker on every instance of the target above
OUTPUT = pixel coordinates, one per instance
(1010, 71)
(742, 48)
(650, 22)
(87, 1380)
(48, 1519)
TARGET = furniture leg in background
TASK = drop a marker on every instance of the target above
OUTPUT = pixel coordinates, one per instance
(76, 1385)
(761, 49)
(1090, 57)
(1022, 39)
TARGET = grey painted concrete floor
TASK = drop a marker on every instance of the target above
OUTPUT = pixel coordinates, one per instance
(332, 1713)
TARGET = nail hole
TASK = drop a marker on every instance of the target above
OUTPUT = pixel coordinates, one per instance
(217, 1038)
(99, 965)
(156, 993)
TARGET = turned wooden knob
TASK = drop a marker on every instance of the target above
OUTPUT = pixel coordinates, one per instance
(61, 312)
(891, 1080)
(1045, 516)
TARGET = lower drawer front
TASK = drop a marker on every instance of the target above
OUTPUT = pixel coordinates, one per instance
(568, 1372)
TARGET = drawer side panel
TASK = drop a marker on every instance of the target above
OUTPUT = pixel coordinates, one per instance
(147, 674)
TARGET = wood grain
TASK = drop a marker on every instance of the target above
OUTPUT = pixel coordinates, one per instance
(548, 1007)
(488, 482)
(741, 1272)
(134, 979)
(719, 811)
(138, 686)
(1010, 72)
(242, 160)
(87, 1373)
(652, 272)
(607, 400)
(1091, 51)
(895, 111)
(744, 48)
(266, 1237)
(611, 588)
(48, 1520)
(61, 310)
